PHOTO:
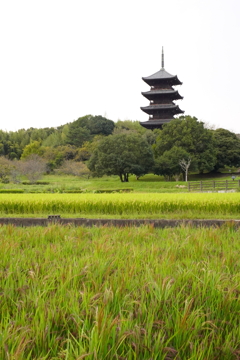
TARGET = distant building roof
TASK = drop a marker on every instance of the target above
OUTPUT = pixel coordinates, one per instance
(162, 76)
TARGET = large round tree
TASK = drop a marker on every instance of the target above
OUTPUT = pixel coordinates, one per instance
(228, 148)
(121, 155)
(189, 134)
(86, 127)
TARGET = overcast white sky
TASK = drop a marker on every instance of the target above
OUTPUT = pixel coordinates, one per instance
(61, 60)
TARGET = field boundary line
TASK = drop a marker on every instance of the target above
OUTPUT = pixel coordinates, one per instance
(156, 223)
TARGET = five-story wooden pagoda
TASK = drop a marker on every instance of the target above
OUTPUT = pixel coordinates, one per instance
(162, 108)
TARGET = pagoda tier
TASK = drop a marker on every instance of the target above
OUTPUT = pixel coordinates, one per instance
(162, 108)
(151, 124)
(162, 77)
(162, 111)
(164, 94)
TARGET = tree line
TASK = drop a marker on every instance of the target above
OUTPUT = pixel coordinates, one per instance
(95, 145)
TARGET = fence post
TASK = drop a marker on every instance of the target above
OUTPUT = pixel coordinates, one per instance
(226, 184)
(201, 185)
(213, 184)
(188, 186)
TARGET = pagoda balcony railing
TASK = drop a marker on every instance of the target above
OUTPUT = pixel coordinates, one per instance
(166, 118)
(162, 106)
(161, 102)
(165, 87)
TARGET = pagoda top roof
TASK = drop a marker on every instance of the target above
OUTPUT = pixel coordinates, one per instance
(162, 76)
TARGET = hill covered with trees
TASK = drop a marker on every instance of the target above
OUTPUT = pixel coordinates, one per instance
(98, 145)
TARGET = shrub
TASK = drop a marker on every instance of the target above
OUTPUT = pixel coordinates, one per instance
(11, 191)
(36, 183)
(100, 191)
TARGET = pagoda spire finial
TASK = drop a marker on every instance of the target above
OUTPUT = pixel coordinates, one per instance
(162, 58)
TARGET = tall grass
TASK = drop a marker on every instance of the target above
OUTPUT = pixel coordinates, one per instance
(194, 205)
(133, 293)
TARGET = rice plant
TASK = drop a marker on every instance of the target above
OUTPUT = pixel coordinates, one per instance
(131, 293)
(123, 205)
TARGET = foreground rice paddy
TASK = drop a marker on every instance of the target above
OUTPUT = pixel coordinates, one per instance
(123, 205)
(133, 293)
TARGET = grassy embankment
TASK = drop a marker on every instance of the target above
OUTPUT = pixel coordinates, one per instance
(123, 205)
(148, 183)
(134, 293)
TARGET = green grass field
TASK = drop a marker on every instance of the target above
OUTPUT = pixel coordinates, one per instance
(149, 183)
(106, 293)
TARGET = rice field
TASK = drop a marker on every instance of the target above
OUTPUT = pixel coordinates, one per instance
(131, 293)
(123, 205)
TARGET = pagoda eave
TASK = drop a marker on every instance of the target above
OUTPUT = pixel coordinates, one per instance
(157, 81)
(158, 94)
(161, 107)
(155, 124)
(162, 112)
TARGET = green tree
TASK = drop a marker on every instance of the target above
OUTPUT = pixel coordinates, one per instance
(53, 140)
(99, 125)
(150, 136)
(121, 155)
(128, 125)
(77, 135)
(228, 148)
(56, 155)
(86, 127)
(84, 153)
(7, 169)
(189, 134)
(58, 137)
(168, 164)
(32, 148)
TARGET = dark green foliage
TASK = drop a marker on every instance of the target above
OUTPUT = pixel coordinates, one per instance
(209, 150)
(98, 125)
(101, 191)
(12, 143)
(121, 155)
(77, 135)
(36, 183)
(11, 191)
(85, 128)
(189, 134)
(168, 163)
(150, 137)
(228, 148)
(75, 191)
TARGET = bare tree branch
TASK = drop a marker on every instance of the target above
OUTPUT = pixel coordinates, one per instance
(33, 167)
(185, 164)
